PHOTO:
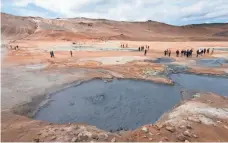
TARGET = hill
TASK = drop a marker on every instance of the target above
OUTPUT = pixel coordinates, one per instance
(37, 28)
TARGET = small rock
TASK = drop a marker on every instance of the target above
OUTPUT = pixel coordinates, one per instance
(225, 126)
(144, 129)
(197, 95)
(102, 136)
(113, 139)
(209, 101)
(187, 133)
(194, 119)
(158, 133)
(181, 137)
(94, 136)
(150, 134)
(182, 127)
(36, 140)
(186, 141)
(189, 126)
(218, 121)
(150, 139)
(165, 139)
(195, 136)
(75, 139)
(38, 134)
(144, 136)
(159, 126)
(170, 128)
(53, 138)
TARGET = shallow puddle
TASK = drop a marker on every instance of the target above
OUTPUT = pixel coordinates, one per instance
(125, 104)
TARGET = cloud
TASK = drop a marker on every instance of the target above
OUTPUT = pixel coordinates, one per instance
(169, 11)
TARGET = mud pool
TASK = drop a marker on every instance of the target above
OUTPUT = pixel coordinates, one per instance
(211, 62)
(124, 104)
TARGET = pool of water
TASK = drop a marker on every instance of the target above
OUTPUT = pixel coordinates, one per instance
(161, 60)
(217, 62)
(201, 83)
(118, 104)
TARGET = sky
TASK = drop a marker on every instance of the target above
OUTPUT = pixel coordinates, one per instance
(175, 12)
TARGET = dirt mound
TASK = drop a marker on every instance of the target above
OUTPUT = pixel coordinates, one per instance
(83, 28)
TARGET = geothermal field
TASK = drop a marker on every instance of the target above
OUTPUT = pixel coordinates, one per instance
(100, 86)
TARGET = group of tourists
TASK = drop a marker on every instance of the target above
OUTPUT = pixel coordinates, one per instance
(167, 52)
(122, 46)
(145, 49)
(204, 51)
(11, 47)
(188, 52)
(52, 54)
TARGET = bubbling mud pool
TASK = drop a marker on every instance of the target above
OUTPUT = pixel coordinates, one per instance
(124, 104)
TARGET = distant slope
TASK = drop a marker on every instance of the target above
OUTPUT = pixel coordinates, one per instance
(36, 28)
(14, 27)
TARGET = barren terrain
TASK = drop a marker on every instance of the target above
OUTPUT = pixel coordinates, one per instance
(30, 76)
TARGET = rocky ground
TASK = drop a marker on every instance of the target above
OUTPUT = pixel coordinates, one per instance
(29, 75)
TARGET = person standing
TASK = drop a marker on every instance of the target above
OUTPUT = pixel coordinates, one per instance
(208, 50)
(165, 52)
(197, 53)
(212, 51)
(51, 54)
(169, 52)
(145, 52)
(71, 53)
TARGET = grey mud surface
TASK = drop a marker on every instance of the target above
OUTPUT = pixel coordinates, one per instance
(111, 105)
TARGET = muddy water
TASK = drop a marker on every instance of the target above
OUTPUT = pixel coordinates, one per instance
(218, 85)
(118, 104)
(211, 62)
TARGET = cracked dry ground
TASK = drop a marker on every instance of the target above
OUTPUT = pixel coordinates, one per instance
(202, 118)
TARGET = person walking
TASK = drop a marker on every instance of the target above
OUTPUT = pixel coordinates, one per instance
(71, 53)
